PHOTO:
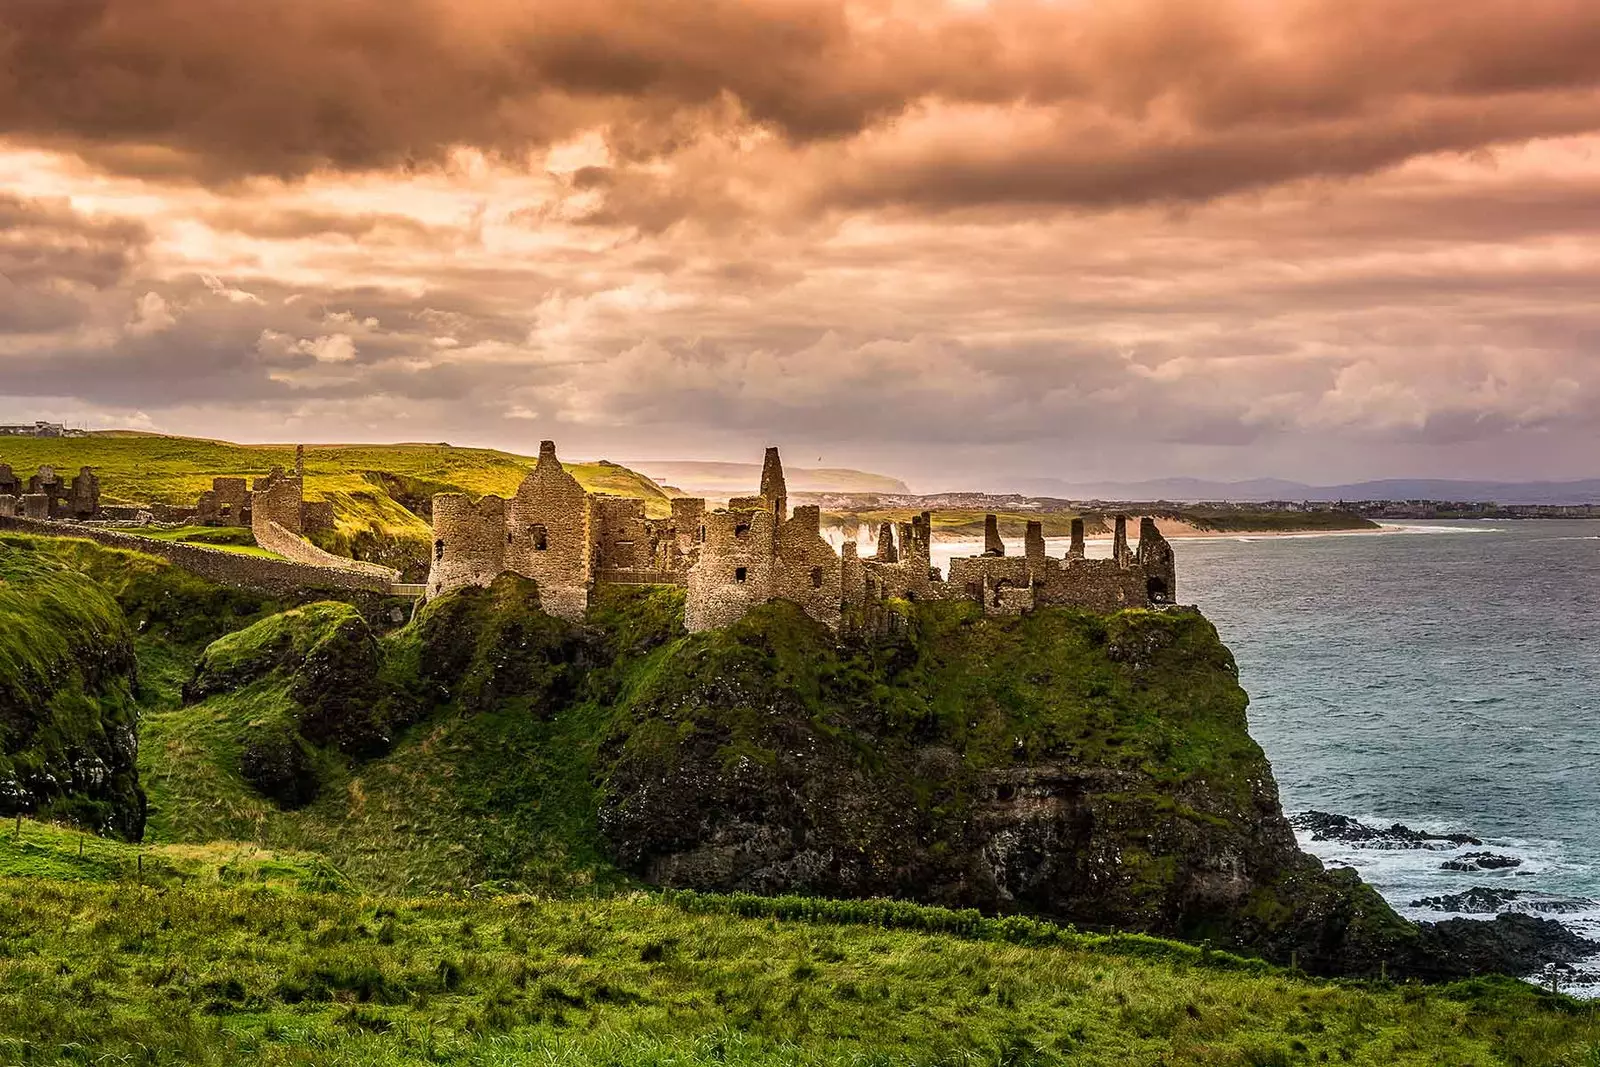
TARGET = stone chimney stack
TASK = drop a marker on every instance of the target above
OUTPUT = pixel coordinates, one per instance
(547, 453)
(772, 485)
(1075, 551)
(886, 552)
(1034, 543)
(992, 545)
(300, 461)
(1119, 544)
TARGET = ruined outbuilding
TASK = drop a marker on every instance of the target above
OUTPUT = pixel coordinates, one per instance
(47, 495)
(755, 550)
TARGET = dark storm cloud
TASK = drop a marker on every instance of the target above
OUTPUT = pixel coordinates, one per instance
(1145, 100)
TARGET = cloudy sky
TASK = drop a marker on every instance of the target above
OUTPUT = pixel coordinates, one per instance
(955, 241)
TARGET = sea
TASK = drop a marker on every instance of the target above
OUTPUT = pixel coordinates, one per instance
(1442, 675)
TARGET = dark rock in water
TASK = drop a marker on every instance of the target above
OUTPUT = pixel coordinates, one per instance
(1480, 861)
(1509, 944)
(1325, 826)
(1475, 901)
(1486, 901)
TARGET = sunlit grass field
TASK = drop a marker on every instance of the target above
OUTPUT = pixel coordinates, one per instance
(227, 953)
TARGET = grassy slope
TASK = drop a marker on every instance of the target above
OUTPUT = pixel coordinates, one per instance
(142, 468)
(226, 954)
(67, 677)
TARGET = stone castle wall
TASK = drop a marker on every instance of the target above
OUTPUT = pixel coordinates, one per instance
(808, 571)
(279, 499)
(275, 538)
(469, 542)
(735, 570)
(63, 499)
(754, 550)
(275, 577)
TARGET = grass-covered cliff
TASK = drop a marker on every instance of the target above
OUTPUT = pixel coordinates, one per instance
(426, 842)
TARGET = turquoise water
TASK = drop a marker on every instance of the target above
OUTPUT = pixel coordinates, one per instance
(1446, 677)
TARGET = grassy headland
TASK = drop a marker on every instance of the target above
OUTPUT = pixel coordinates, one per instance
(449, 894)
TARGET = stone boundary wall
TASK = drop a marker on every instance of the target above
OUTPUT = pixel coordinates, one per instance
(274, 538)
(275, 577)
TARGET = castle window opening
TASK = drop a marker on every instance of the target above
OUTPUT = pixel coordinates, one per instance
(1158, 592)
(539, 536)
(700, 535)
(742, 530)
(438, 549)
(740, 574)
(816, 577)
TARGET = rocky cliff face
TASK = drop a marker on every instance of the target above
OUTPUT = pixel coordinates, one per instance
(1095, 770)
(68, 719)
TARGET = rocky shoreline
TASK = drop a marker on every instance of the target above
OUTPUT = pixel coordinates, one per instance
(1491, 928)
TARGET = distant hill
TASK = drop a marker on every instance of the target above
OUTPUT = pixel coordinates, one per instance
(1586, 491)
(380, 493)
(739, 479)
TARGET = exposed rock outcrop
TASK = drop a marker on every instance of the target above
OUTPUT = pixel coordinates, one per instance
(1093, 769)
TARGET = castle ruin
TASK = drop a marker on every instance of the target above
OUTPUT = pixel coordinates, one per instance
(756, 550)
(47, 495)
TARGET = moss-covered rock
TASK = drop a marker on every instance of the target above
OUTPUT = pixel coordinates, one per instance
(68, 715)
(321, 660)
(480, 646)
(1094, 769)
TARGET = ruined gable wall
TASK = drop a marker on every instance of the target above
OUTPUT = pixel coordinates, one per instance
(548, 525)
(743, 539)
(83, 499)
(689, 519)
(971, 575)
(469, 542)
(226, 503)
(808, 571)
(277, 498)
(1158, 563)
(622, 535)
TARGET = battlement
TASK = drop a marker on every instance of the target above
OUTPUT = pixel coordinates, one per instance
(754, 550)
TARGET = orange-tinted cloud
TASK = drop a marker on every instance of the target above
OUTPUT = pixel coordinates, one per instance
(1099, 237)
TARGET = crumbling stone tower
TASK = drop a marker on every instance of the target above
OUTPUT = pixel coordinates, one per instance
(735, 570)
(469, 542)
